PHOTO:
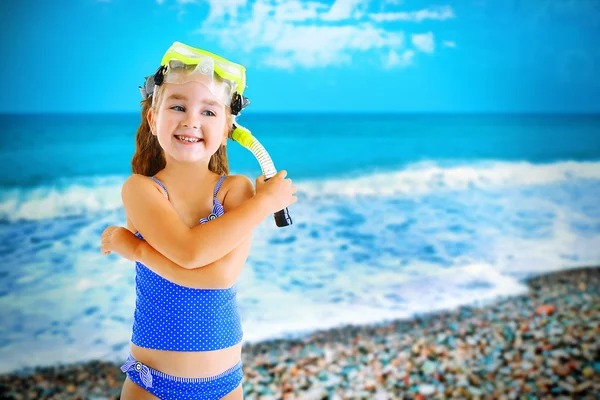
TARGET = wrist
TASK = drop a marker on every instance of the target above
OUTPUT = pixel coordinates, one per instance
(261, 203)
(138, 251)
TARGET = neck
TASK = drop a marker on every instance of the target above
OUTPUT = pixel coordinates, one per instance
(185, 177)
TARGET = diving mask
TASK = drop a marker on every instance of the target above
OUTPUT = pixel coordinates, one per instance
(182, 63)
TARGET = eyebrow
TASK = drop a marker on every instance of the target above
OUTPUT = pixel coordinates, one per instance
(177, 96)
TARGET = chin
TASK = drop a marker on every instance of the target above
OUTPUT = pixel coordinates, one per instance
(189, 160)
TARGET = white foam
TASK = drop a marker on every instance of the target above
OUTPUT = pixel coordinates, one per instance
(428, 177)
(81, 197)
(93, 195)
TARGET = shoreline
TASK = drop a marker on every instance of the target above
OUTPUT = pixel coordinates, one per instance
(545, 342)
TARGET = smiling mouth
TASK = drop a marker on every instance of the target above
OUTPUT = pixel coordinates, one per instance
(187, 139)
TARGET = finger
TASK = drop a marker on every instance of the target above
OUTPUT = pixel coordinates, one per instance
(294, 188)
(282, 173)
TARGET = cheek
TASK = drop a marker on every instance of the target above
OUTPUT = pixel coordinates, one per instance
(166, 124)
(217, 124)
(220, 119)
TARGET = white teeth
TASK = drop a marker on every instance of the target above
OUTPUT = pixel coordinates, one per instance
(186, 139)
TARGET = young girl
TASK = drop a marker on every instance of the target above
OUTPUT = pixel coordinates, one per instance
(193, 226)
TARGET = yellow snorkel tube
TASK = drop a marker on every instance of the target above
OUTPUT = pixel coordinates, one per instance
(247, 140)
(226, 81)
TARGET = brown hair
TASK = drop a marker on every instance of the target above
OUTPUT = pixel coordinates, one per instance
(149, 157)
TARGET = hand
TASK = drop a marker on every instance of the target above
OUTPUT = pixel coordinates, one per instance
(121, 241)
(277, 191)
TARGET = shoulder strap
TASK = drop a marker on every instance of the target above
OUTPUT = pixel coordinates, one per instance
(161, 185)
(219, 185)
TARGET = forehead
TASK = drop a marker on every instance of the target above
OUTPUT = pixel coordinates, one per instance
(190, 92)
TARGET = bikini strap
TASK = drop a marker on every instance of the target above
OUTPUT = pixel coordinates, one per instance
(161, 185)
(219, 185)
(167, 192)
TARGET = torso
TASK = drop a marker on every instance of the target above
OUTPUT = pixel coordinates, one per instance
(220, 274)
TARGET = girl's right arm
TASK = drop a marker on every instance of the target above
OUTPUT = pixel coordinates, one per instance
(163, 229)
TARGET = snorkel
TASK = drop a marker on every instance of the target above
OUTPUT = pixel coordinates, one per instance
(247, 140)
(227, 81)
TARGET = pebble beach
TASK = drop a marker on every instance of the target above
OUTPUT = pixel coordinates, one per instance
(543, 345)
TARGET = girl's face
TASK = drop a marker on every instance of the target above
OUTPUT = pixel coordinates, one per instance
(189, 122)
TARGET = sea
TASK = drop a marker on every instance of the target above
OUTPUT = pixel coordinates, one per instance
(397, 215)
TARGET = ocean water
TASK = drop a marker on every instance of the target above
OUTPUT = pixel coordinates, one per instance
(397, 215)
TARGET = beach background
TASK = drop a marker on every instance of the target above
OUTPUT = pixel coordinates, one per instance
(434, 170)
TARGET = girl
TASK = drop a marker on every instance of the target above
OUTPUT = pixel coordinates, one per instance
(193, 226)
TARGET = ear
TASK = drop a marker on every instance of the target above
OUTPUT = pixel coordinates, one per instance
(225, 136)
(150, 118)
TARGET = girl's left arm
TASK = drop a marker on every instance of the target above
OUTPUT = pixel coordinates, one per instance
(122, 241)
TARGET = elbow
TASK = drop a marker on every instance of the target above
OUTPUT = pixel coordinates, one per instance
(194, 259)
(188, 263)
(189, 266)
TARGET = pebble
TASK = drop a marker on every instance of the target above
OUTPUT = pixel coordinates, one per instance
(543, 344)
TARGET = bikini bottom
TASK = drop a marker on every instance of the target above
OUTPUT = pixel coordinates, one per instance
(169, 387)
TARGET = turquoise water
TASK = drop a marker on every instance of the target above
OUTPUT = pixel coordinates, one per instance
(43, 148)
(397, 214)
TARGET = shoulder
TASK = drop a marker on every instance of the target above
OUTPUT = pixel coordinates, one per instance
(138, 184)
(238, 183)
(238, 188)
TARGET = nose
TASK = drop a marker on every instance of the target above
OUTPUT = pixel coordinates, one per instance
(191, 122)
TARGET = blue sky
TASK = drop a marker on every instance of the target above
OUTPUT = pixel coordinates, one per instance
(311, 56)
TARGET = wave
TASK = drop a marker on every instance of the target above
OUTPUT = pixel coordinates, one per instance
(84, 196)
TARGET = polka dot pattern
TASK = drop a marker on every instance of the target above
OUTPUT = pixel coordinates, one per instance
(173, 317)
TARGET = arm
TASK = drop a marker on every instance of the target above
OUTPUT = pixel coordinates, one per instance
(171, 243)
(119, 240)
(160, 264)
(151, 258)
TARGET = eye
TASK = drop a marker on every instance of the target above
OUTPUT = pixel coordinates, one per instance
(178, 108)
(210, 113)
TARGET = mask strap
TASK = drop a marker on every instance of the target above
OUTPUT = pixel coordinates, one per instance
(238, 103)
(152, 81)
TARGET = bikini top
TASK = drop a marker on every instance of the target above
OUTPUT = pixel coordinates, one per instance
(169, 316)
(217, 207)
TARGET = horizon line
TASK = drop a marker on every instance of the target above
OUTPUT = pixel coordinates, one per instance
(345, 113)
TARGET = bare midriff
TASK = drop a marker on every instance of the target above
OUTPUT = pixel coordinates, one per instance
(189, 364)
